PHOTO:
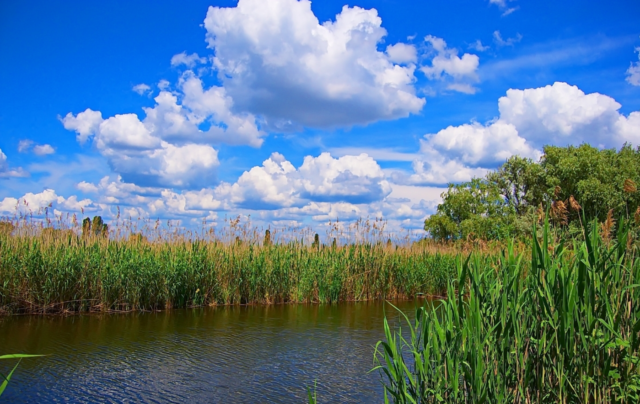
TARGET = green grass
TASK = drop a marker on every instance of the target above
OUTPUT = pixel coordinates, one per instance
(47, 272)
(561, 325)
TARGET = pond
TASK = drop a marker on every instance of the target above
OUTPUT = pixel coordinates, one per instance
(237, 354)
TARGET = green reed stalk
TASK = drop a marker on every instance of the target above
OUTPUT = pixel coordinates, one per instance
(7, 378)
(561, 327)
(48, 272)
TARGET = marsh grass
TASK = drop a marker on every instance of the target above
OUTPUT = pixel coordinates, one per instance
(559, 326)
(50, 267)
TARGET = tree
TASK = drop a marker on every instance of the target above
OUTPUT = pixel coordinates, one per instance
(521, 182)
(86, 227)
(471, 209)
(567, 180)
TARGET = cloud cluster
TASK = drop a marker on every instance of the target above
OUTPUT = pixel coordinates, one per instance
(277, 60)
(558, 114)
(323, 188)
(27, 145)
(277, 183)
(36, 203)
(169, 147)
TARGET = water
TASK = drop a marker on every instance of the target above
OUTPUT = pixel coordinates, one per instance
(245, 354)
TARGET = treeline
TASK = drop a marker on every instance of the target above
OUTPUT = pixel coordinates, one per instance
(567, 184)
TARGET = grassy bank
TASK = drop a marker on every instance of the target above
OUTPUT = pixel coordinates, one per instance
(561, 325)
(59, 271)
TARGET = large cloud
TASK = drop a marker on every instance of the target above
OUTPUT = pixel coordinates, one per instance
(276, 59)
(168, 147)
(558, 114)
(277, 183)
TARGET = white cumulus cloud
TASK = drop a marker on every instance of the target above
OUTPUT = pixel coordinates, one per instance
(43, 149)
(169, 147)
(277, 60)
(558, 114)
(447, 65)
(277, 183)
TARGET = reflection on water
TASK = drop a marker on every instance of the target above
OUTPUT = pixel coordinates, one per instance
(235, 354)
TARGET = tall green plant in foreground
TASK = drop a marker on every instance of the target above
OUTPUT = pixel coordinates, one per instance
(7, 378)
(562, 327)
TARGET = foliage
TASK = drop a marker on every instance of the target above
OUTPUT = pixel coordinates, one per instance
(509, 200)
(471, 209)
(95, 227)
(562, 327)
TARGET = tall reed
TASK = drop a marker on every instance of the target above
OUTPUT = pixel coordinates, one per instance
(58, 270)
(560, 327)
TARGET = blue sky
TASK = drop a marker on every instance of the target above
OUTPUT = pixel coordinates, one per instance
(298, 113)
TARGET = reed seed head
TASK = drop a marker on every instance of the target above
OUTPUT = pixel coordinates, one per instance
(630, 186)
(573, 204)
(607, 226)
(559, 212)
(557, 191)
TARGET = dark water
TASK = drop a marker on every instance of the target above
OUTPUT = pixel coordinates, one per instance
(251, 354)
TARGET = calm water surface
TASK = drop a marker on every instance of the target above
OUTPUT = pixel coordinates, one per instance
(248, 354)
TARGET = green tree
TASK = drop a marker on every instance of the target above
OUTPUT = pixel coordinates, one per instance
(98, 227)
(86, 227)
(267, 238)
(596, 178)
(521, 182)
(471, 209)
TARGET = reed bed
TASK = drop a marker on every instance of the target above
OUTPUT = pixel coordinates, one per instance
(126, 268)
(561, 325)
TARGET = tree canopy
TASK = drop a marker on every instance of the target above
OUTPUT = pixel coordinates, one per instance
(506, 201)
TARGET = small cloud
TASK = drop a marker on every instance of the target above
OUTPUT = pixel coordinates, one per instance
(477, 46)
(509, 11)
(24, 145)
(633, 72)
(447, 62)
(163, 84)
(462, 88)
(43, 150)
(497, 38)
(187, 60)
(141, 88)
(502, 4)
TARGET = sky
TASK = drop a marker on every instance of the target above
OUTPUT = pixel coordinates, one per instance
(298, 113)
